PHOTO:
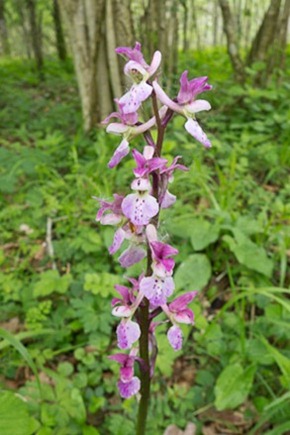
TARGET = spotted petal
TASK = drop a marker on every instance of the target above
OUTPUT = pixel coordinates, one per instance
(127, 333)
(122, 150)
(133, 99)
(196, 131)
(174, 336)
(140, 208)
(129, 389)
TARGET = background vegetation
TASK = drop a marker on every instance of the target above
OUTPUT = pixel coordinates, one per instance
(230, 223)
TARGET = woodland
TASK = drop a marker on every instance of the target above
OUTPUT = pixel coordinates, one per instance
(59, 75)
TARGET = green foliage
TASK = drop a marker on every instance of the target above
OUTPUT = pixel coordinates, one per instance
(229, 224)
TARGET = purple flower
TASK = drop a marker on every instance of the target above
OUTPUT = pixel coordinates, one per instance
(187, 105)
(156, 289)
(129, 389)
(139, 71)
(179, 310)
(127, 129)
(128, 384)
(115, 207)
(167, 199)
(146, 163)
(127, 333)
(122, 306)
(135, 252)
(174, 336)
(140, 207)
(162, 264)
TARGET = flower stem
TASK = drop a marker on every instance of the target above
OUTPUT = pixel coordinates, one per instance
(145, 374)
(144, 308)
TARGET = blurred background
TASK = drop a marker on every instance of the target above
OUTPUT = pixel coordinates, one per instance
(58, 77)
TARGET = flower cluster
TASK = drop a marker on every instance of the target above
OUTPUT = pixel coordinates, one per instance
(135, 216)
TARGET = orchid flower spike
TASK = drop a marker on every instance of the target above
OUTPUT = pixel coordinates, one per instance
(187, 105)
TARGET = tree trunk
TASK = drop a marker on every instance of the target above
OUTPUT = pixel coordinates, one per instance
(185, 25)
(266, 34)
(195, 25)
(232, 43)
(60, 41)
(4, 42)
(35, 32)
(279, 57)
(95, 28)
(215, 23)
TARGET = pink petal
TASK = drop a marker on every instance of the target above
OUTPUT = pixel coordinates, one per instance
(148, 152)
(131, 255)
(132, 68)
(156, 60)
(119, 237)
(121, 311)
(129, 389)
(157, 290)
(140, 184)
(111, 219)
(122, 150)
(117, 128)
(133, 99)
(121, 358)
(184, 316)
(140, 208)
(127, 373)
(198, 106)
(174, 336)
(127, 333)
(161, 95)
(196, 131)
(168, 200)
(182, 301)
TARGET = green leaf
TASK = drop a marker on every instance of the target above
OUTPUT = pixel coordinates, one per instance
(101, 283)
(193, 273)
(202, 234)
(249, 254)
(233, 385)
(281, 360)
(50, 281)
(14, 417)
(6, 335)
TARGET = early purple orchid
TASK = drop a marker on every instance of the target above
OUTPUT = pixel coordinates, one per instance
(127, 333)
(146, 163)
(178, 312)
(128, 385)
(128, 128)
(140, 207)
(167, 199)
(136, 216)
(139, 71)
(187, 105)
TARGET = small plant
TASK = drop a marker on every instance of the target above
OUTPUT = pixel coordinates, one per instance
(136, 217)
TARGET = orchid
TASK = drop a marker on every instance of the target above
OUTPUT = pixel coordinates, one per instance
(136, 217)
(187, 105)
(139, 71)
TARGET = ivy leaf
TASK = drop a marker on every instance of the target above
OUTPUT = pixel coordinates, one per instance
(193, 273)
(233, 385)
